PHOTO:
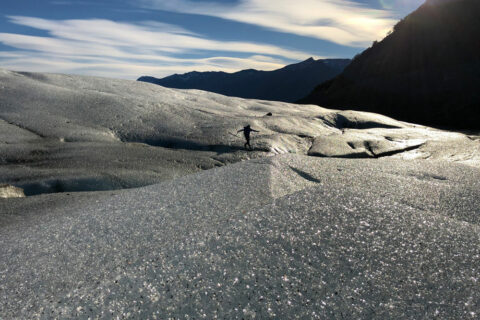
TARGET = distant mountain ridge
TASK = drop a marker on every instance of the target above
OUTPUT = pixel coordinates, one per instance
(288, 84)
(426, 71)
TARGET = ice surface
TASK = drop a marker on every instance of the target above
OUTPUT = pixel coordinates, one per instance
(123, 134)
(276, 234)
(283, 237)
(7, 191)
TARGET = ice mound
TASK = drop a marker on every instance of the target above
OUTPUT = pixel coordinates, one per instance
(7, 191)
(288, 236)
(54, 126)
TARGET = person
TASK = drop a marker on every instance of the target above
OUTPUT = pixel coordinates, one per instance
(246, 132)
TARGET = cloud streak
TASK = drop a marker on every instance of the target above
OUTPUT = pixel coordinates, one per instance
(117, 68)
(105, 47)
(340, 21)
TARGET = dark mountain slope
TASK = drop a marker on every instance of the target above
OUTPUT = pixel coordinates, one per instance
(286, 84)
(426, 71)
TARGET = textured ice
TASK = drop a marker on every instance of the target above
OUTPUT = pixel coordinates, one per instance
(277, 234)
(7, 191)
(75, 133)
(283, 237)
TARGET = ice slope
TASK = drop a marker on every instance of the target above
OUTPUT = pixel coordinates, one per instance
(74, 133)
(282, 237)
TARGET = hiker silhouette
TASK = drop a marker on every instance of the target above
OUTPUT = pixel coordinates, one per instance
(246, 132)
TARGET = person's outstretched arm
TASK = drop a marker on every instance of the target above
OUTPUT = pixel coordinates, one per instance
(255, 130)
(240, 130)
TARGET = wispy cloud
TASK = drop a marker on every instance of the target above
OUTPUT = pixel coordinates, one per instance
(340, 21)
(126, 50)
(118, 68)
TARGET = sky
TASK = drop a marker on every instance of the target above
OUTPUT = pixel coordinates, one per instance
(130, 38)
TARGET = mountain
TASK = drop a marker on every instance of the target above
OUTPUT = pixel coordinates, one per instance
(288, 84)
(426, 71)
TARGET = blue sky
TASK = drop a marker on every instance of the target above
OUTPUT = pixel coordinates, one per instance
(130, 38)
